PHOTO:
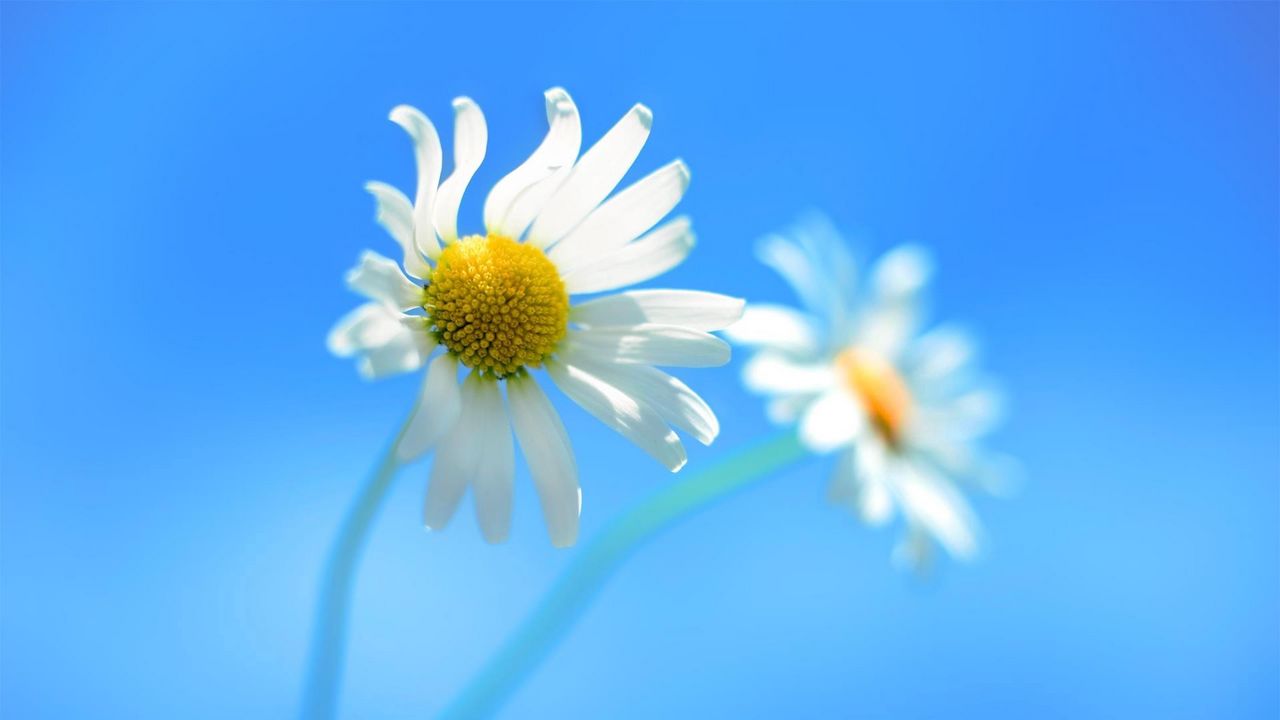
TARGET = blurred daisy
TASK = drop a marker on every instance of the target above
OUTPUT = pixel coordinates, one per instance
(905, 408)
(496, 305)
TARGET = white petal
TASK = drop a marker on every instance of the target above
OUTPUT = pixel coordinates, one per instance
(672, 399)
(546, 448)
(774, 374)
(941, 354)
(950, 455)
(936, 506)
(634, 420)
(495, 467)
(968, 465)
(437, 411)
(430, 158)
(623, 217)
(402, 353)
(648, 257)
(875, 504)
(791, 262)
(962, 417)
(597, 173)
(886, 328)
(902, 272)
(470, 139)
(387, 341)
(669, 345)
(395, 213)
(517, 198)
(368, 326)
(775, 326)
(978, 411)
(688, 308)
(862, 492)
(895, 312)
(456, 460)
(830, 256)
(832, 421)
(870, 464)
(380, 278)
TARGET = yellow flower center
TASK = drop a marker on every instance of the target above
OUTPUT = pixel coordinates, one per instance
(496, 304)
(881, 390)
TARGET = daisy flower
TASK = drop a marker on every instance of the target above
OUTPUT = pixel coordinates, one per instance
(496, 306)
(904, 408)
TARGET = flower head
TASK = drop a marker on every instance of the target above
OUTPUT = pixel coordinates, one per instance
(496, 305)
(904, 407)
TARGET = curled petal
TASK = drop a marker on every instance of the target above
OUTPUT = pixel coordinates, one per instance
(379, 278)
(430, 158)
(597, 173)
(517, 198)
(470, 139)
(395, 213)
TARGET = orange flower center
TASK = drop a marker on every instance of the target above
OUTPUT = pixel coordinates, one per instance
(881, 390)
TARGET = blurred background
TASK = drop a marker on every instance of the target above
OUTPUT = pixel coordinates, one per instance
(182, 193)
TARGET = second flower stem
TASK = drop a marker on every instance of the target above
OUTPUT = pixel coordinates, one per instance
(590, 570)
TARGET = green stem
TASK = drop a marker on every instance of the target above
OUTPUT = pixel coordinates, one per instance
(584, 578)
(329, 635)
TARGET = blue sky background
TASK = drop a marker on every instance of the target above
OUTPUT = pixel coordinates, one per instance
(181, 189)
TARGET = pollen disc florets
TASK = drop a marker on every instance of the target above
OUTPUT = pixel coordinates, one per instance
(881, 390)
(497, 304)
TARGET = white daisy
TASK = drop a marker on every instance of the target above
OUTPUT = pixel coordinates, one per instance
(905, 409)
(497, 306)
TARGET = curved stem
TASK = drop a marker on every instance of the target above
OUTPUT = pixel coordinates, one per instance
(329, 635)
(590, 570)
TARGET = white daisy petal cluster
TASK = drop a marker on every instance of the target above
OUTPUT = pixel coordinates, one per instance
(497, 306)
(855, 369)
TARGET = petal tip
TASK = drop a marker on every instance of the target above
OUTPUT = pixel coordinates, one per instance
(682, 168)
(412, 120)
(333, 342)
(738, 307)
(401, 114)
(643, 114)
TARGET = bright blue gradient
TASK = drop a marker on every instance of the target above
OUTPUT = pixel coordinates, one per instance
(182, 193)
